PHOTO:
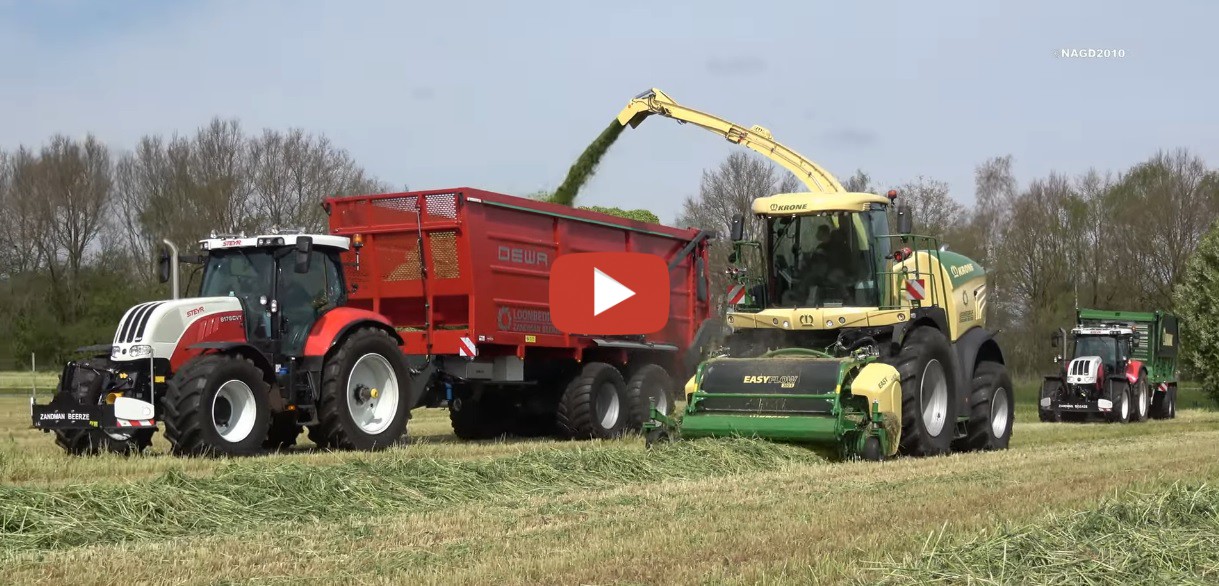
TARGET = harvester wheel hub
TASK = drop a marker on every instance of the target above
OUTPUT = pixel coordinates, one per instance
(372, 393)
(933, 394)
(999, 409)
(234, 411)
(607, 406)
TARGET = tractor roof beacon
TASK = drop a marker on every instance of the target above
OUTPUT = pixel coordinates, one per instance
(842, 332)
(267, 348)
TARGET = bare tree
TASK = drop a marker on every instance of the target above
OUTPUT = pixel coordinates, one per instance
(860, 182)
(934, 211)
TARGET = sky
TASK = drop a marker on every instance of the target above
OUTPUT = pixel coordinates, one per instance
(505, 95)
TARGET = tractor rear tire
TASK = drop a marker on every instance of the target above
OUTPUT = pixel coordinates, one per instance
(86, 442)
(358, 379)
(283, 432)
(650, 382)
(595, 404)
(992, 412)
(1140, 400)
(207, 390)
(1119, 393)
(929, 403)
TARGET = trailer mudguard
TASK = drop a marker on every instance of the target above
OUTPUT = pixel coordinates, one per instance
(333, 325)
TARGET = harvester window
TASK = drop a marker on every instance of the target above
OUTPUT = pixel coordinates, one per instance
(822, 260)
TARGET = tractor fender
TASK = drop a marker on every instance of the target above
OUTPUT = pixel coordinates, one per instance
(881, 384)
(334, 325)
(975, 345)
(248, 351)
(1133, 368)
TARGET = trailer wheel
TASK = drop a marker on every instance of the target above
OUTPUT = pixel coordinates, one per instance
(283, 431)
(649, 383)
(1141, 399)
(364, 386)
(1119, 393)
(217, 405)
(85, 442)
(595, 404)
(929, 407)
(992, 411)
(476, 419)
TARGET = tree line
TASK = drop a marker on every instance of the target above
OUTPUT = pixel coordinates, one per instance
(81, 221)
(1103, 240)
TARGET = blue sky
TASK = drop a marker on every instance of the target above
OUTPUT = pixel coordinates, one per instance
(504, 96)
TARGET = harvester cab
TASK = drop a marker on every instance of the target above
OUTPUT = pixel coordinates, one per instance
(846, 334)
(266, 348)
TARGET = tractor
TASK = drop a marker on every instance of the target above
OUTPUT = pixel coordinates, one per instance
(267, 349)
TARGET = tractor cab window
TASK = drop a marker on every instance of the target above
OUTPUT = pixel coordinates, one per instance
(1103, 346)
(822, 260)
(246, 275)
(304, 297)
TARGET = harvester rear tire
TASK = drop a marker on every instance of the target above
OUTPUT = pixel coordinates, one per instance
(283, 431)
(650, 381)
(1140, 397)
(1119, 393)
(191, 400)
(336, 420)
(595, 405)
(927, 357)
(991, 413)
(86, 442)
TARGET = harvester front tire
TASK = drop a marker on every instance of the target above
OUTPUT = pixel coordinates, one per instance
(650, 382)
(929, 404)
(86, 442)
(377, 365)
(1119, 393)
(595, 405)
(215, 386)
(991, 413)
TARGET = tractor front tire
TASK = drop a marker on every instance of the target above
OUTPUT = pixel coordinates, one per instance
(1050, 389)
(992, 412)
(649, 383)
(217, 405)
(595, 404)
(365, 387)
(1119, 394)
(929, 403)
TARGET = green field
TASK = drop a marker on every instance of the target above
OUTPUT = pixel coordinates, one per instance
(543, 512)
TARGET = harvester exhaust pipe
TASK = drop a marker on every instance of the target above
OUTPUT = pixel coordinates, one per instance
(168, 266)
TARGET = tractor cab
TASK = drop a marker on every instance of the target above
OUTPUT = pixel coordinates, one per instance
(1111, 345)
(284, 282)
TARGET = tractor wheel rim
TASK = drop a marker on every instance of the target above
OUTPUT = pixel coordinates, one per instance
(999, 410)
(660, 399)
(234, 411)
(933, 394)
(606, 406)
(372, 414)
(1142, 402)
(1125, 408)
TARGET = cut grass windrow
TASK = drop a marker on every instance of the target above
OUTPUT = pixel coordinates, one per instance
(247, 495)
(1168, 537)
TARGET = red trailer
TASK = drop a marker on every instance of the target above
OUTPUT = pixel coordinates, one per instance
(462, 274)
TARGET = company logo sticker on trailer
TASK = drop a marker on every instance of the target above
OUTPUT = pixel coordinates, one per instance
(915, 289)
(467, 348)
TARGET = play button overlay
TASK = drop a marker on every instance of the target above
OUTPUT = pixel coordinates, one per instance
(609, 293)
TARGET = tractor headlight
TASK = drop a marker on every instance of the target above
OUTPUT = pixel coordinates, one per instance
(140, 351)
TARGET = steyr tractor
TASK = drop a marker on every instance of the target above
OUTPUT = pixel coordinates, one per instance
(267, 349)
(1121, 367)
(842, 333)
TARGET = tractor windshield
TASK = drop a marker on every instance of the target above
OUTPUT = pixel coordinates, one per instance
(1107, 347)
(244, 274)
(823, 260)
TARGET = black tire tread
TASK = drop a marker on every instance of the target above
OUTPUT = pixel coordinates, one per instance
(332, 405)
(183, 401)
(574, 415)
(637, 397)
(988, 377)
(917, 343)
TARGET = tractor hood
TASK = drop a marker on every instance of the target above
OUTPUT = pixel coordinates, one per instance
(154, 329)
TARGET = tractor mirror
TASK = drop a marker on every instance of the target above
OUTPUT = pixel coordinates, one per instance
(905, 223)
(304, 253)
(738, 228)
(163, 267)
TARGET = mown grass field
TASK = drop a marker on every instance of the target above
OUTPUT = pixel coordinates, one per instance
(543, 512)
